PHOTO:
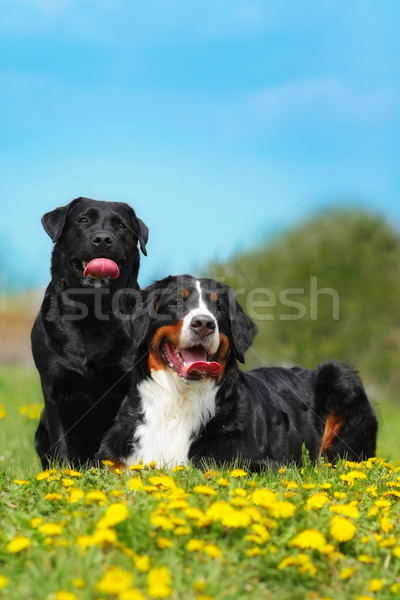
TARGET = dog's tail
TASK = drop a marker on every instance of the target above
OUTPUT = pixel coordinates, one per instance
(350, 422)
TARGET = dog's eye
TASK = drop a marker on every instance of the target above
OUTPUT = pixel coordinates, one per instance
(83, 220)
(122, 225)
(176, 303)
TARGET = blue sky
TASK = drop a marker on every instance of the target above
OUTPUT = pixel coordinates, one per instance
(214, 120)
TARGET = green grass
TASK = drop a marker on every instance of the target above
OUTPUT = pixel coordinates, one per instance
(244, 547)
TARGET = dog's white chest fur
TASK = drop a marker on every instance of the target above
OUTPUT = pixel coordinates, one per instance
(173, 412)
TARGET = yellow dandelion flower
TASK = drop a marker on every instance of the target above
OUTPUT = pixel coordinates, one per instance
(193, 513)
(107, 463)
(396, 552)
(282, 509)
(21, 482)
(366, 558)
(339, 495)
(288, 561)
(309, 538)
(79, 583)
(261, 531)
(363, 597)
(281, 470)
(72, 473)
(372, 490)
(212, 473)
(254, 514)
(114, 581)
(365, 539)
(102, 536)
(347, 510)
(389, 542)
(239, 492)
(376, 584)
(239, 502)
(135, 484)
(327, 549)
(51, 529)
(131, 594)
(204, 490)
(382, 503)
(164, 523)
(115, 513)
(32, 411)
(373, 511)
(316, 501)
(63, 595)
(223, 482)
(35, 522)
(96, 496)
(291, 485)
(352, 476)
(182, 530)
(386, 525)
(237, 473)
(3, 412)
(263, 497)
(75, 495)
(45, 474)
(159, 583)
(347, 573)
(163, 482)
(308, 486)
(67, 482)
(164, 542)
(116, 493)
(235, 519)
(342, 529)
(199, 584)
(3, 582)
(138, 467)
(256, 551)
(19, 543)
(195, 545)
(325, 486)
(212, 551)
(142, 563)
(53, 496)
(395, 588)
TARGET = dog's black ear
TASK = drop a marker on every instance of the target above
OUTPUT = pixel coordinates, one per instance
(143, 235)
(242, 327)
(54, 221)
(138, 227)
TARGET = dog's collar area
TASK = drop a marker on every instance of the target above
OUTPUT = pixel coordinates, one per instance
(191, 363)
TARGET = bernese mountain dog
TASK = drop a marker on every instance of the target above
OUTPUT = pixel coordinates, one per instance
(191, 402)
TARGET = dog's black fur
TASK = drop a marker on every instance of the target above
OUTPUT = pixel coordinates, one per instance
(262, 417)
(80, 346)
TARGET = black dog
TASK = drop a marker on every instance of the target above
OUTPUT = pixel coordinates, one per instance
(191, 402)
(79, 343)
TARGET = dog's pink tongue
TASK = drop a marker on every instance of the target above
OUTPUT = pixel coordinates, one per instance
(196, 362)
(100, 268)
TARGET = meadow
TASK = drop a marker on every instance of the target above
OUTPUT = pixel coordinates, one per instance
(310, 533)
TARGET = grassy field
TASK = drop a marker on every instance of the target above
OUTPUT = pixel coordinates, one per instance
(319, 532)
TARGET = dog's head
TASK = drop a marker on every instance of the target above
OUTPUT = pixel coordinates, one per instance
(87, 229)
(193, 327)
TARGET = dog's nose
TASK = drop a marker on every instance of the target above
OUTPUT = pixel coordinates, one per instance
(202, 325)
(102, 240)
